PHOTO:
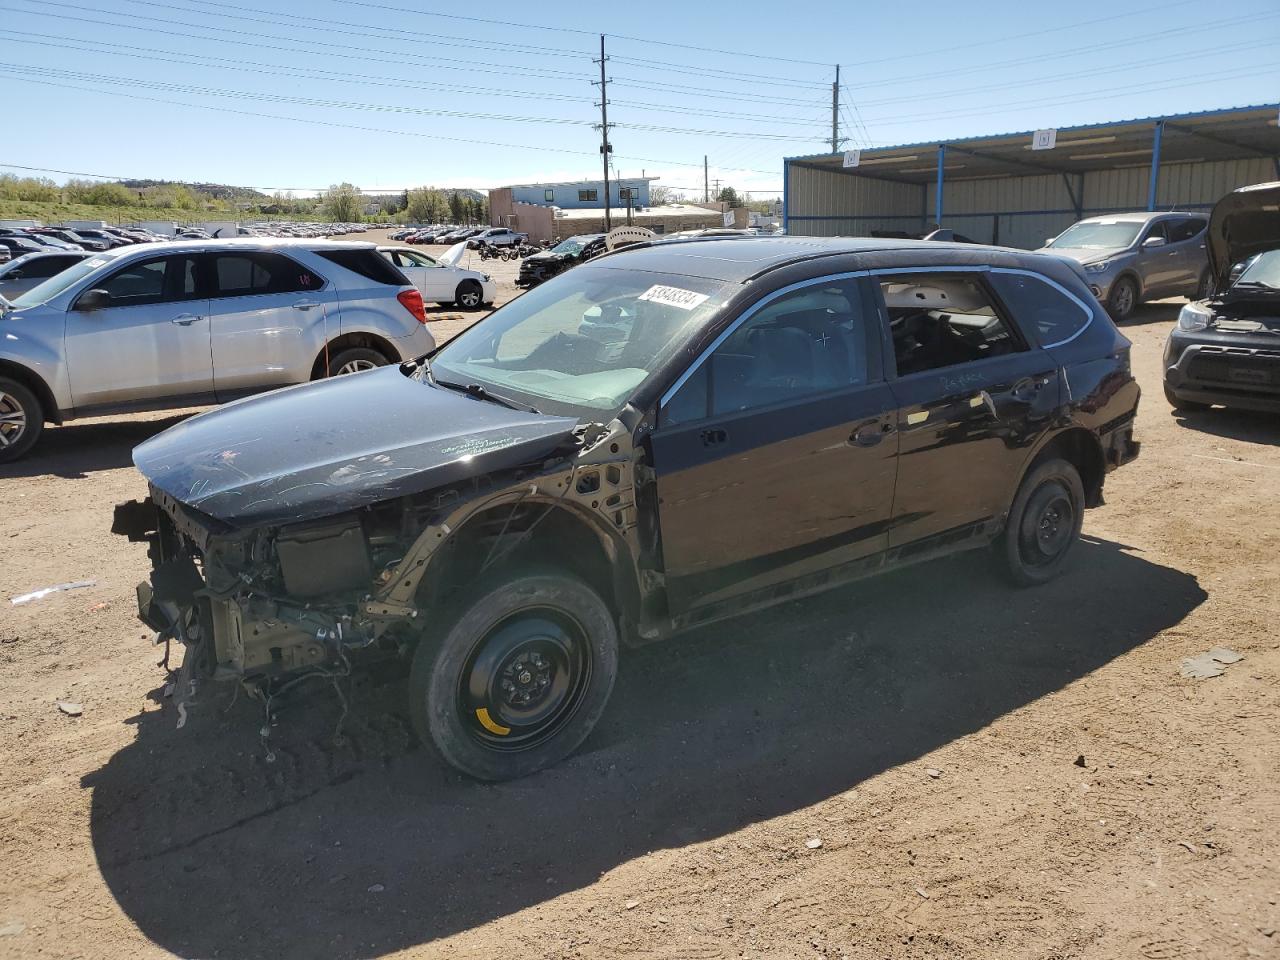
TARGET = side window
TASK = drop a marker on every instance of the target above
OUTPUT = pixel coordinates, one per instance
(1185, 229)
(942, 320)
(805, 343)
(1157, 229)
(137, 284)
(250, 274)
(1041, 306)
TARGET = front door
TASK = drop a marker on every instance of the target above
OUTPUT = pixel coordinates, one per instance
(270, 317)
(150, 342)
(434, 281)
(776, 455)
(973, 395)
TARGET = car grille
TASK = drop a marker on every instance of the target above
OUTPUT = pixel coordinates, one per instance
(1236, 367)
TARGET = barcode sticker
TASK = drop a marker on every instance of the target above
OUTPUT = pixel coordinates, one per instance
(674, 297)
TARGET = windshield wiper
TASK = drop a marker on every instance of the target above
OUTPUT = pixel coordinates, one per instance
(482, 393)
(1255, 283)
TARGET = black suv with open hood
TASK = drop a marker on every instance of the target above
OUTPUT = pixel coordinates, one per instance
(569, 252)
(1226, 349)
(668, 435)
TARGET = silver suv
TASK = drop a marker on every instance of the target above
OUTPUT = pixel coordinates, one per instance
(192, 323)
(1132, 257)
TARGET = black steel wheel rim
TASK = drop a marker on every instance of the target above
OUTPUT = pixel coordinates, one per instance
(524, 679)
(1048, 526)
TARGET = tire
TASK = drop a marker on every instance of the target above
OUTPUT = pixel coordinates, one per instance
(355, 360)
(519, 678)
(21, 420)
(469, 295)
(1123, 299)
(1044, 523)
(1178, 404)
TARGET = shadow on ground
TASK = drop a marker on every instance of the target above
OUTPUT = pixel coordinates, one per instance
(79, 448)
(212, 850)
(1245, 425)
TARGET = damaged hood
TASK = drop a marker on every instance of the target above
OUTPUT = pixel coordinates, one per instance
(321, 448)
(1244, 222)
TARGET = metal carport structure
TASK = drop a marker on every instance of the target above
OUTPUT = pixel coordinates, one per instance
(998, 189)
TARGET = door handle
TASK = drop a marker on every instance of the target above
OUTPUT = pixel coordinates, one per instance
(185, 319)
(306, 305)
(869, 434)
(713, 437)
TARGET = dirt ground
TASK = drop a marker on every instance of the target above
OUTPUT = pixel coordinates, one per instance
(991, 773)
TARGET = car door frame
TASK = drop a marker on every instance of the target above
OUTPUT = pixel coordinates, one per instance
(971, 395)
(189, 315)
(1190, 254)
(767, 585)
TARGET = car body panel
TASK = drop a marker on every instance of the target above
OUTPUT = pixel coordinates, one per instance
(235, 463)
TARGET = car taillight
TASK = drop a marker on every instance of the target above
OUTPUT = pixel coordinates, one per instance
(412, 301)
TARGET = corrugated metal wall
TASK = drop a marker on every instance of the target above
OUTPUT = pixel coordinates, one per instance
(1012, 211)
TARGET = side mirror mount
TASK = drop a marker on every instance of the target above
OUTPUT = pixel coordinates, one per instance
(1150, 242)
(1235, 273)
(1048, 241)
(92, 300)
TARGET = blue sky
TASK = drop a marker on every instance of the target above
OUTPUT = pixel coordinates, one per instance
(287, 94)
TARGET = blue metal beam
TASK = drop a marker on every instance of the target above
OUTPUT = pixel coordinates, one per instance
(937, 198)
(1154, 180)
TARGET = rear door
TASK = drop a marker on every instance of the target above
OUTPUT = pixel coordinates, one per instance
(776, 453)
(150, 343)
(1187, 253)
(973, 393)
(269, 316)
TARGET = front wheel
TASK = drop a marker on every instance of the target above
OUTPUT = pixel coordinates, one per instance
(469, 295)
(1044, 523)
(519, 678)
(21, 419)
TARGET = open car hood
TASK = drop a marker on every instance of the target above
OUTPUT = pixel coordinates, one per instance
(321, 448)
(453, 255)
(1243, 223)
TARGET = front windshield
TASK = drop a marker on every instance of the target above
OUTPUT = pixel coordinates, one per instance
(581, 344)
(46, 291)
(571, 245)
(1263, 270)
(1100, 235)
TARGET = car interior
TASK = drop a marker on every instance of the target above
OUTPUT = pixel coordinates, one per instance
(940, 321)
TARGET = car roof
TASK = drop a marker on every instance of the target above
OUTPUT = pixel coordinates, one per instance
(239, 243)
(1141, 216)
(739, 258)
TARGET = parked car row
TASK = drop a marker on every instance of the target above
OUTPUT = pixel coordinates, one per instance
(196, 322)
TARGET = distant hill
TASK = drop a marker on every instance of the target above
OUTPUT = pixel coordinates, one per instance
(218, 191)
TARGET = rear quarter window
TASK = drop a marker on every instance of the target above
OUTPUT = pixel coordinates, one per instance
(1039, 306)
(369, 264)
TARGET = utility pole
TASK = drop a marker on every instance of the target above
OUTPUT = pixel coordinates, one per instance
(706, 187)
(835, 113)
(605, 147)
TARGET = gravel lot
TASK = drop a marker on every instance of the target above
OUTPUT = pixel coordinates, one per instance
(991, 772)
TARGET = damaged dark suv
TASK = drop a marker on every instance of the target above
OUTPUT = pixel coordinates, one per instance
(1226, 350)
(669, 435)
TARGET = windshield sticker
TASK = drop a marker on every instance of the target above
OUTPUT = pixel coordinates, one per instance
(674, 297)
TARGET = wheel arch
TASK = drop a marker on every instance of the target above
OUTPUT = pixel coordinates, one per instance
(1129, 273)
(541, 533)
(36, 384)
(360, 338)
(1082, 449)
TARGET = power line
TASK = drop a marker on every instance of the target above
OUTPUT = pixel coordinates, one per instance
(361, 128)
(268, 69)
(190, 89)
(917, 54)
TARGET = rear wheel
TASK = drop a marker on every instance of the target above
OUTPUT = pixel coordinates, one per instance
(1044, 523)
(21, 419)
(355, 360)
(520, 677)
(1123, 298)
(469, 295)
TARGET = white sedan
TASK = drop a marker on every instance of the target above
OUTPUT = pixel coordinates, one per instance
(440, 279)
